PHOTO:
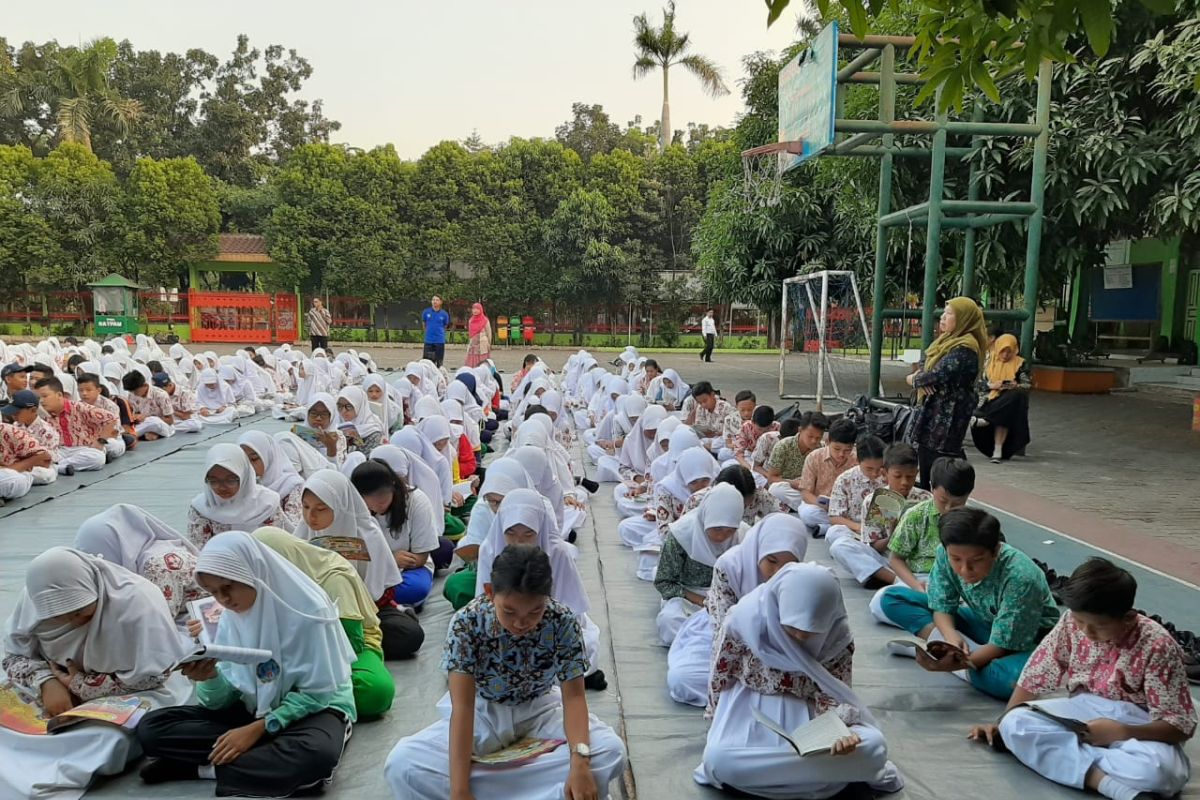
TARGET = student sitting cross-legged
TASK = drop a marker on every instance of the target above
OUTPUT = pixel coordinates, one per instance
(786, 651)
(1127, 682)
(269, 729)
(516, 661)
(986, 598)
(821, 468)
(894, 468)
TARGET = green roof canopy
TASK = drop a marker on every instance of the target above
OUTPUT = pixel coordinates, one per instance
(113, 279)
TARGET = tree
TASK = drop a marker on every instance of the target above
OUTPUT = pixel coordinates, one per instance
(25, 236)
(74, 84)
(173, 217)
(663, 48)
(589, 132)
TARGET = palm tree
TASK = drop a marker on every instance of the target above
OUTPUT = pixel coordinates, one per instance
(664, 48)
(75, 86)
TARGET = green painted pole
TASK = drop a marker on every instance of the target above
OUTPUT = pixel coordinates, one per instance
(1037, 193)
(968, 274)
(887, 113)
(933, 233)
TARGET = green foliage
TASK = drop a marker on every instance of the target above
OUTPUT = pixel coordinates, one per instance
(175, 217)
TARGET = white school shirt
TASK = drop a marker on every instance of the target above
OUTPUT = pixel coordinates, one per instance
(418, 534)
(709, 326)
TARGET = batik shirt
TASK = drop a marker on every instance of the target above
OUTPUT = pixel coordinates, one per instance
(763, 503)
(80, 425)
(678, 572)
(788, 458)
(1014, 598)
(917, 538)
(711, 424)
(763, 449)
(508, 669)
(820, 470)
(45, 434)
(184, 400)
(156, 403)
(944, 414)
(200, 528)
(28, 674)
(851, 489)
(1145, 668)
(16, 444)
(747, 438)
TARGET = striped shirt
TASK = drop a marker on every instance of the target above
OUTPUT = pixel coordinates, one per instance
(319, 320)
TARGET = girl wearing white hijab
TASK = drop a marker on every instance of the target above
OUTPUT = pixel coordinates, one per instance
(634, 459)
(574, 500)
(611, 434)
(245, 400)
(790, 640)
(417, 444)
(691, 549)
(232, 498)
(143, 544)
(385, 400)
(334, 510)
(774, 541)
(525, 517)
(276, 472)
(322, 416)
(268, 729)
(107, 632)
(358, 422)
(668, 390)
(541, 472)
(218, 406)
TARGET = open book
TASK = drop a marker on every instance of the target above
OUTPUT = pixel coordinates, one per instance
(226, 652)
(350, 548)
(17, 713)
(208, 611)
(936, 650)
(815, 737)
(1077, 726)
(519, 753)
(881, 514)
(309, 435)
(350, 431)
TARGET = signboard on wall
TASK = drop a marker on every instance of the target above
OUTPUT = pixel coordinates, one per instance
(1118, 276)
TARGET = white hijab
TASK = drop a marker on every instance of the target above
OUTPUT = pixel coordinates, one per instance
(365, 421)
(806, 597)
(635, 451)
(304, 457)
(251, 507)
(325, 399)
(690, 465)
(629, 408)
(125, 535)
(212, 392)
(417, 444)
(541, 472)
(351, 517)
(722, 507)
(292, 617)
(132, 634)
(774, 533)
(527, 507)
(418, 475)
(278, 473)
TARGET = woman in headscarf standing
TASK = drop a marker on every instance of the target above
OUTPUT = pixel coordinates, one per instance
(1000, 428)
(786, 652)
(479, 346)
(945, 384)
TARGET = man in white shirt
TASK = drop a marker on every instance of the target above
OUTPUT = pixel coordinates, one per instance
(708, 327)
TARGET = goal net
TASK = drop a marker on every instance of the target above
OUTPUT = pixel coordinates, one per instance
(824, 351)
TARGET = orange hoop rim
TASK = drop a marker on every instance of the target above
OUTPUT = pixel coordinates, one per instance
(794, 148)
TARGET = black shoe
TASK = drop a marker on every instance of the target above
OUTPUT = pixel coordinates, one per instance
(572, 536)
(68, 470)
(815, 532)
(589, 484)
(162, 770)
(596, 681)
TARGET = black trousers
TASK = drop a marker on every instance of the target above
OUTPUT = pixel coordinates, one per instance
(302, 755)
(402, 633)
(434, 352)
(925, 458)
(709, 341)
(320, 341)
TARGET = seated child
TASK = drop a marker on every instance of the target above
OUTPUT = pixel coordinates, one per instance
(1126, 680)
(218, 405)
(785, 467)
(188, 417)
(406, 517)
(82, 429)
(374, 688)
(786, 651)
(761, 422)
(260, 730)
(153, 414)
(986, 598)
(914, 544)
(896, 469)
(232, 498)
(275, 471)
(357, 420)
(92, 392)
(821, 468)
(688, 554)
(516, 661)
(22, 462)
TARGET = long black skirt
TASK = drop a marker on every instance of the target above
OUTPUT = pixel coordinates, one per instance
(1009, 410)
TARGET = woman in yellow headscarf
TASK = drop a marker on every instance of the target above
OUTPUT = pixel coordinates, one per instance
(945, 384)
(1001, 425)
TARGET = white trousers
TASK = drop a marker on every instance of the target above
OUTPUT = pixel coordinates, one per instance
(245, 410)
(608, 468)
(858, 558)
(743, 754)
(14, 484)
(784, 493)
(689, 661)
(647, 564)
(671, 616)
(418, 767)
(114, 447)
(815, 517)
(156, 426)
(1056, 753)
(626, 505)
(224, 418)
(81, 459)
(43, 475)
(725, 456)
(193, 424)
(634, 530)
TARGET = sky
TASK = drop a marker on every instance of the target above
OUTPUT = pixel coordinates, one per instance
(417, 73)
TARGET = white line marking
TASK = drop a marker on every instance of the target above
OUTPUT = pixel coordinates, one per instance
(1118, 556)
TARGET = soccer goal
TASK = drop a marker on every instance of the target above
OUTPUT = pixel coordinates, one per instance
(824, 344)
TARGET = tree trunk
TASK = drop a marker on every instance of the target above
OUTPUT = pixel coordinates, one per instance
(665, 120)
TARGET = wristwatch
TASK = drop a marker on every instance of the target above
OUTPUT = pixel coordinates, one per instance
(582, 750)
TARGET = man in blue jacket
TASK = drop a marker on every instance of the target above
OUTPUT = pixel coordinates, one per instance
(436, 320)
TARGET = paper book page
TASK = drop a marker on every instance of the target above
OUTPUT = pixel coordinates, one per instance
(463, 488)
(881, 514)
(350, 548)
(1070, 723)
(519, 752)
(19, 713)
(229, 653)
(819, 734)
(307, 434)
(121, 711)
(773, 726)
(208, 611)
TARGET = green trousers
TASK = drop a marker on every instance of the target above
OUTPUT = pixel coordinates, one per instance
(374, 688)
(455, 527)
(459, 588)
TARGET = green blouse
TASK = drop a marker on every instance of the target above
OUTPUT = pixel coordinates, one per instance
(677, 572)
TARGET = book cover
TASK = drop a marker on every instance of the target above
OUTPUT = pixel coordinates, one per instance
(23, 715)
(208, 611)
(350, 548)
(309, 435)
(881, 514)
(519, 752)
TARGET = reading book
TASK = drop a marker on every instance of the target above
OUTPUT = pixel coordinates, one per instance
(881, 514)
(350, 431)
(519, 753)
(815, 737)
(310, 435)
(208, 611)
(937, 650)
(350, 548)
(25, 716)
(227, 652)
(1077, 726)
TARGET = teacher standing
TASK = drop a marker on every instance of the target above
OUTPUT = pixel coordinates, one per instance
(945, 384)
(436, 321)
(479, 346)
(319, 321)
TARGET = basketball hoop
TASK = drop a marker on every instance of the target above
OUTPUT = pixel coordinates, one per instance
(763, 169)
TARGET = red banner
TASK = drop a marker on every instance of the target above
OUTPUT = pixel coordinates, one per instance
(242, 317)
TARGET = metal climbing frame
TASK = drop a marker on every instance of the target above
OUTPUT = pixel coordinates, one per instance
(856, 138)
